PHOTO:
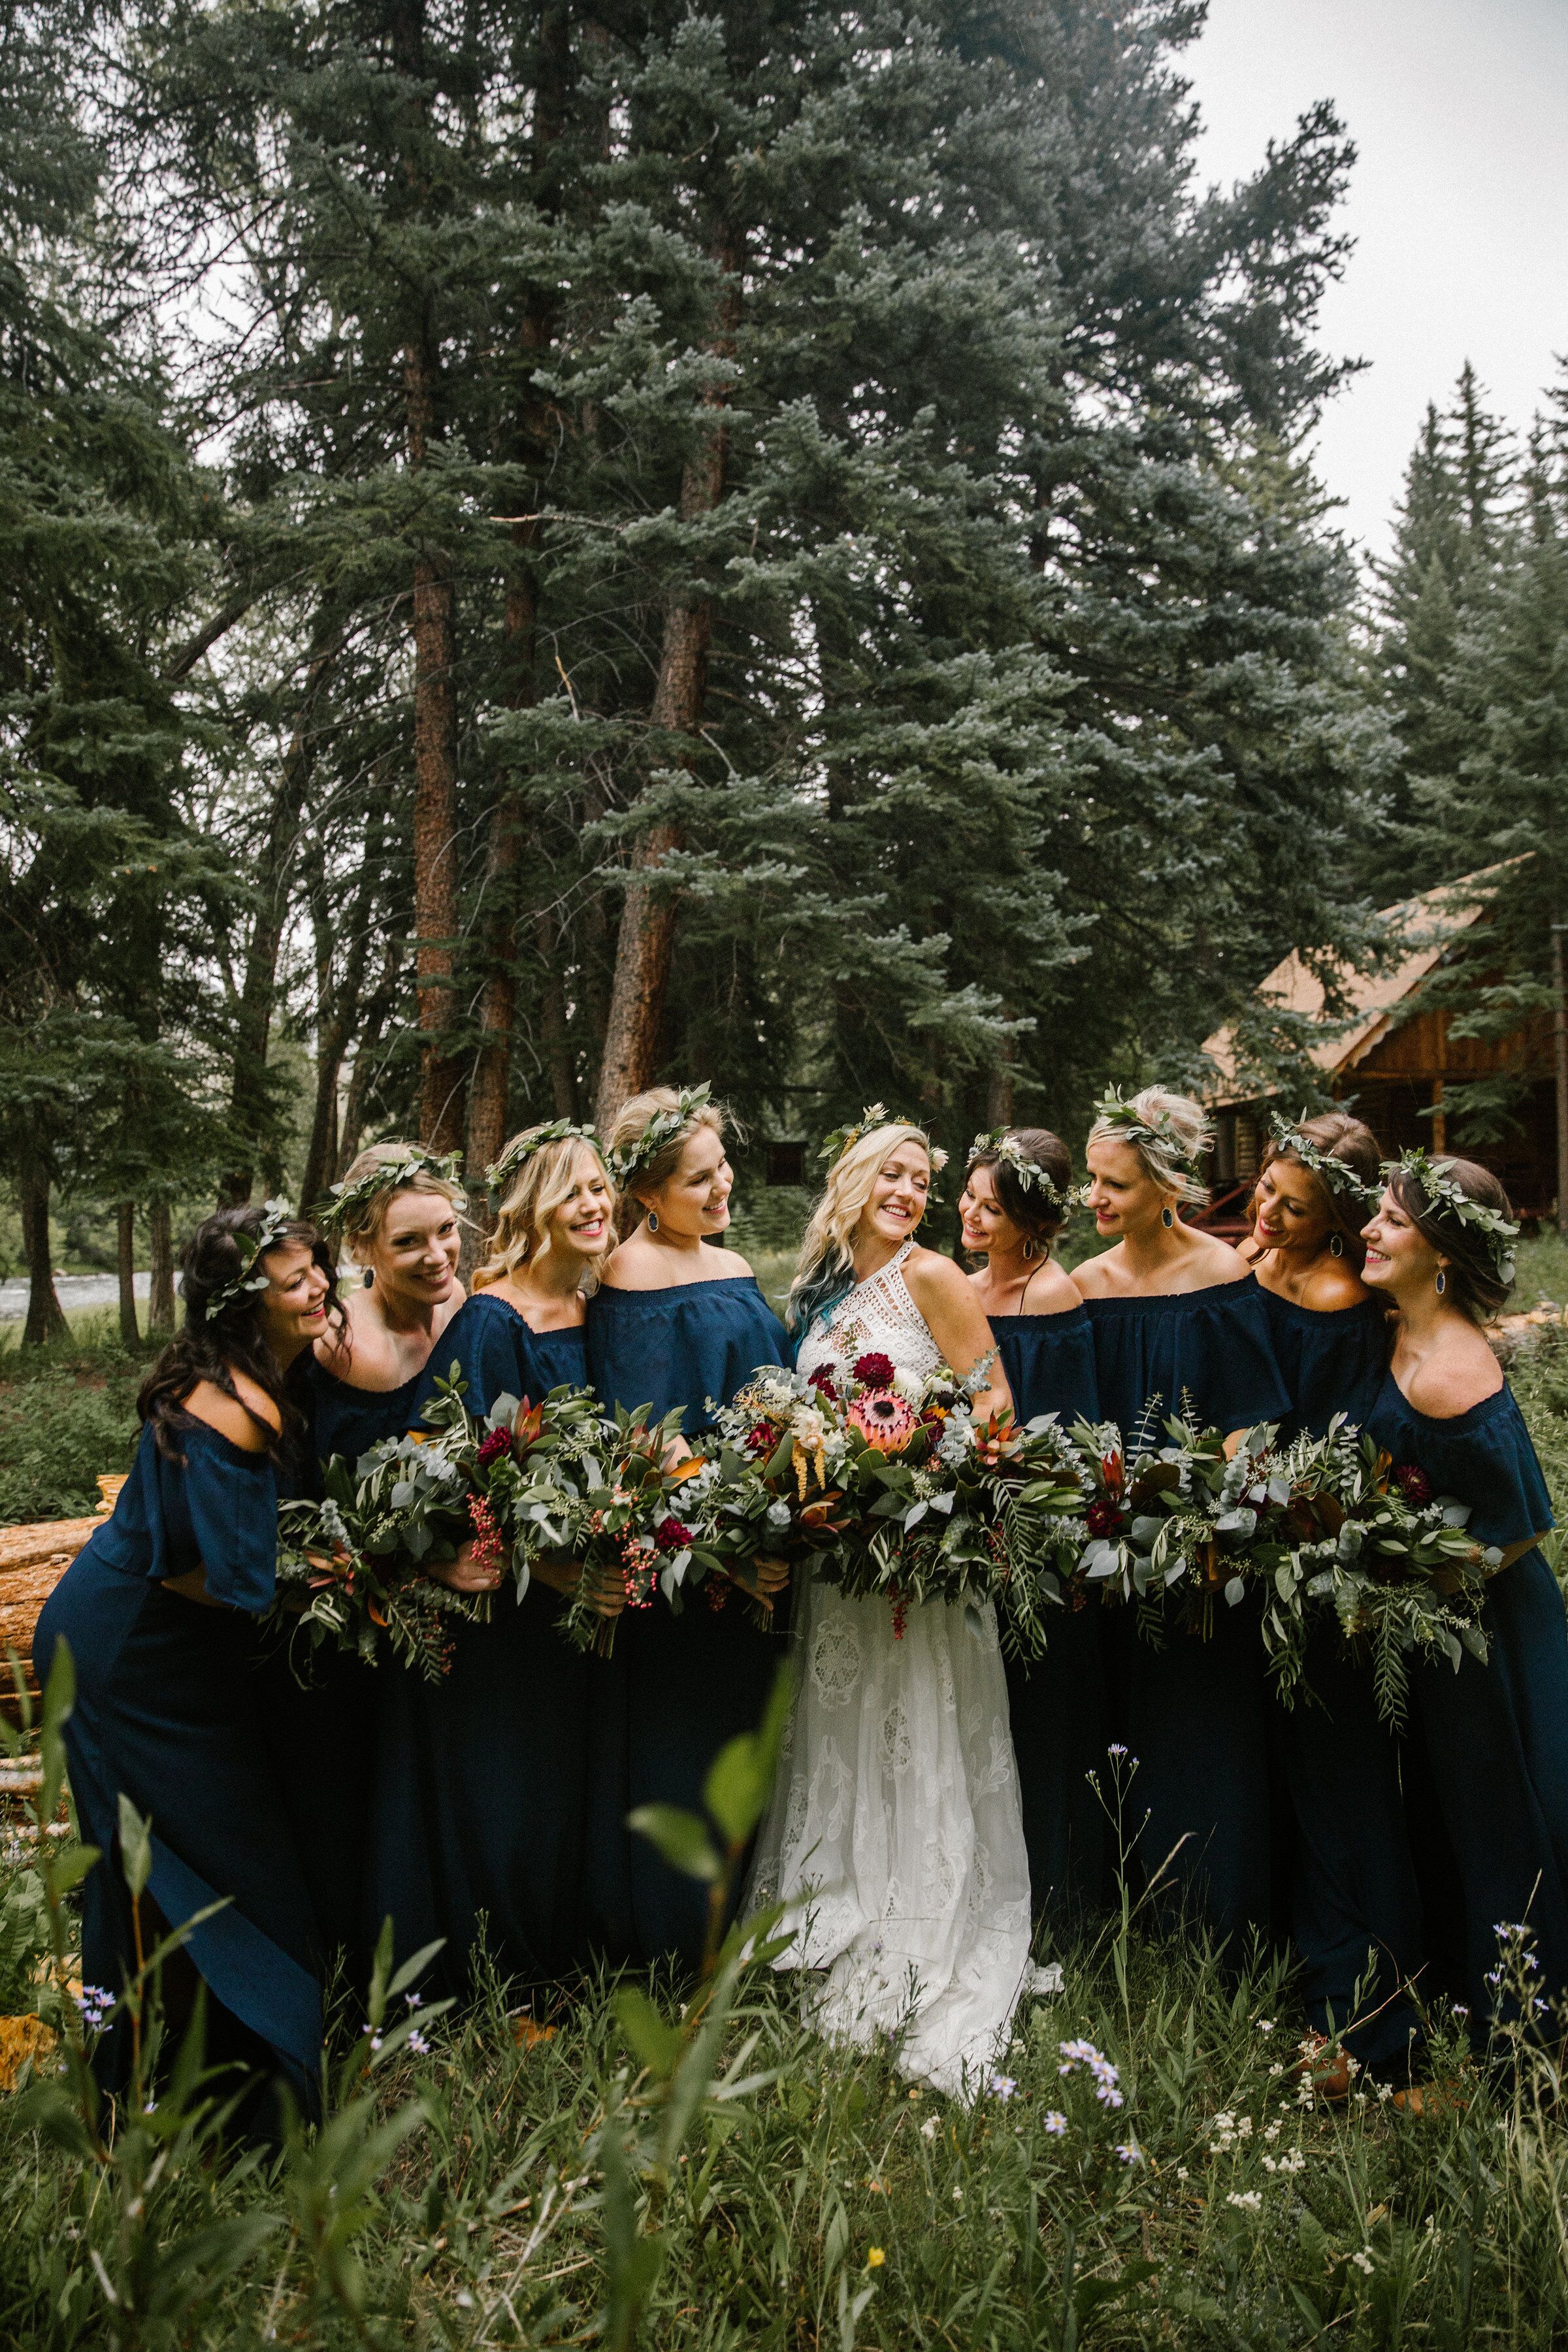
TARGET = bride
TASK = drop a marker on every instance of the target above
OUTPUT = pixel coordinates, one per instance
(895, 1836)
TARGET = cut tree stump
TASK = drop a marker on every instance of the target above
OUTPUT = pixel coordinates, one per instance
(32, 1562)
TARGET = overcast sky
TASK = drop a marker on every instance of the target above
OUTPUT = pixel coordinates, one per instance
(1458, 202)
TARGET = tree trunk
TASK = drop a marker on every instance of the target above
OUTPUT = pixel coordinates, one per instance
(250, 1099)
(435, 849)
(125, 1257)
(646, 932)
(377, 1013)
(45, 1319)
(1560, 1043)
(555, 1043)
(161, 1251)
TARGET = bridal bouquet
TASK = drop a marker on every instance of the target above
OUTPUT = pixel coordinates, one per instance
(1369, 1540)
(356, 1565)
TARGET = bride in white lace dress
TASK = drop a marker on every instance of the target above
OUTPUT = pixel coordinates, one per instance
(895, 1834)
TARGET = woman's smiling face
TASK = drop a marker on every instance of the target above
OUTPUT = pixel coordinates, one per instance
(582, 1222)
(414, 1254)
(1121, 1192)
(1289, 1211)
(987, 1227)
(1399, 1257)
(899, 1192)
(695, 1201)
(293, 1306)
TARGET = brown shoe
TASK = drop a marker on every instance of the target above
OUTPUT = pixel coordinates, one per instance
(1430, 2099)
(1331, 2075)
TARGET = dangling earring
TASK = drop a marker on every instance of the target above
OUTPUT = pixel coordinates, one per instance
(369, 1276)
(1336, 1246)
(1166, 1219)
(1442, 1282)
(653, 1221)
(1031, 1249)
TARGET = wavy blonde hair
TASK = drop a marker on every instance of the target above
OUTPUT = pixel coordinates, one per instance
(632, 1122)
(362, 1229)
(546, 1179)
(1176, 1134)
(825, 1272)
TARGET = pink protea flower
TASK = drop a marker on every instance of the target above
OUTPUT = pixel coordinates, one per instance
(493, 1447)
(883, 1420)
(874, 1372)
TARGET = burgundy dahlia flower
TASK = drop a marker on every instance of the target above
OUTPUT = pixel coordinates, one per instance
(670, 1535)
(493, 1447)
(875, 1371)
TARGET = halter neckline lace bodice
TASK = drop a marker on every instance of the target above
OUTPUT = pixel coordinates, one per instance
(879, 1316)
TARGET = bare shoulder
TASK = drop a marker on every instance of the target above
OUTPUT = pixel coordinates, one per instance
(730, 1264)
(1331, 1286)
(1453, 1377)
(635, 1264)
(449, 1305)
(335, 1349)
(1216, 1262)
(207, 1402)
(1097, 1278)
(1049, 1291)
(932, 1279)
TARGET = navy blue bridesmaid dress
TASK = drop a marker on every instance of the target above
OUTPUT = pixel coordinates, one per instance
(1352, 1887)
(1195, 1712)
(480, 1791)
(321, 1716)
(1487, 1763)
(1059, 1702)
(676, 1688)
(169, 1713)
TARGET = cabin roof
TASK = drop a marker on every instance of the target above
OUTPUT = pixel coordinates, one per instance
(1429, 922)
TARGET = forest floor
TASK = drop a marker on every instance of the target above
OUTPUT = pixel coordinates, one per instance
(812, 2202)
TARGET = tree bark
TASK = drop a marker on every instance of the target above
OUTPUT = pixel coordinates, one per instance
(377, 1013)
(45, 1320)
(555, 1043)
(250, 1104)
(646, 934)
(125, 1260)
(160, 1254)
(435, 849)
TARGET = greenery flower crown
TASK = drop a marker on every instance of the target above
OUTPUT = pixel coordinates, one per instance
(1337, 1175)
(1158, 1128)
(388, 1176)
(516, 1155)
(842, 1139)
(1495, 1230)
(1029, 1172)
(277, 1216)
(661, 1129)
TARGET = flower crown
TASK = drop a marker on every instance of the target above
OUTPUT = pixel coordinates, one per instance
(1337, 1175)
(1159, 1128)
(1496, 1230)
(1005, 1145)
(519, 1153)
(277, 1216)
(661, 1129)
(842, 1139)
(388, 1176)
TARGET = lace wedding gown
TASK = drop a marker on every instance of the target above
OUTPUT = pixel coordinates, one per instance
(895, 1834)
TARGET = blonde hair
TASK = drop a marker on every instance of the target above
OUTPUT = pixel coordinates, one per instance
(632, 1122)
(1169, 1134)
(360, 1223)
(546, 1179)
(825, 1272)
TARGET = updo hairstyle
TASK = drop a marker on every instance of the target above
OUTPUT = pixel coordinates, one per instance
(1474, 1283)
(1337, 1136)
(632, 1122)
(214, 1345)
(546, 1178)
(363, 1223)
(1176, 1135)
(1031, 1210)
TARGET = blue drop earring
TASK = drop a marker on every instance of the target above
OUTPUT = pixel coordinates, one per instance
(653, 1221)
(1166, 1219)
(1336, 1246)
(369, 1276)
(1442, 1282)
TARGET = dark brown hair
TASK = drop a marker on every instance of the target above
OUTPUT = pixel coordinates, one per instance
(215, 1347)
(1337, 1136)
(1474, 1283)
(1031, 1210)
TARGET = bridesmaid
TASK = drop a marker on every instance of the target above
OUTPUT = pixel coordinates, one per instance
(397, 1210)
(1487, 1763)
(1015, 1199)
(1177, 1318)
(158, 1612)
(1317, 1180)
(676, 1322)
(1352, 1878)
(481, 1780)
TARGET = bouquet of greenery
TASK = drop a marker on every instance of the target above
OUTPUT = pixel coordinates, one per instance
(1367, 1539)
(636, 1522)
(1171, 1526)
